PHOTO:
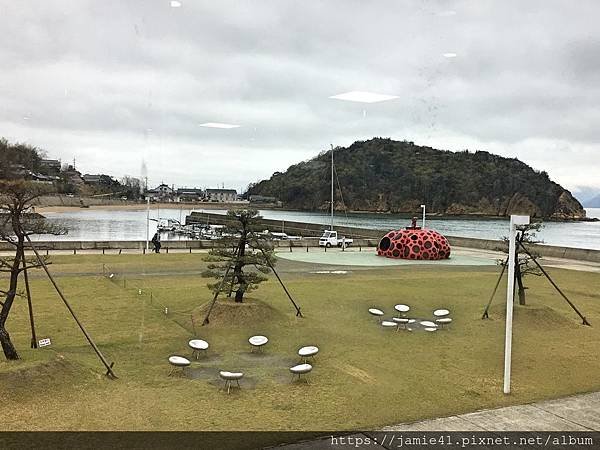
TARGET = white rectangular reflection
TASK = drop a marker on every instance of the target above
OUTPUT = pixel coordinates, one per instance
(363, 97)
(218, 125)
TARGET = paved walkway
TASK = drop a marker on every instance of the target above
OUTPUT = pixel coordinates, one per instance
(576, 413)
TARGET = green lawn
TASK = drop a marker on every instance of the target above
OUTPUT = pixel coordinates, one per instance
(365, 376)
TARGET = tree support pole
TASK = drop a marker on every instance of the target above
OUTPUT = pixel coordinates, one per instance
(485, 313)
(212, 303)
(34, 343)
(298, 312)
(109, 370)
(585, 322)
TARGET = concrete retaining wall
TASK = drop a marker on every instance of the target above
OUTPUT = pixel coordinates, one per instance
(175, 245)
(373, 235)
(363, 237)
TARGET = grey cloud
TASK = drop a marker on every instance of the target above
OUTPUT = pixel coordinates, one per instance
(96, 76)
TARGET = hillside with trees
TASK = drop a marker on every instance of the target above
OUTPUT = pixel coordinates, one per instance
(382, 175)
(23, 161)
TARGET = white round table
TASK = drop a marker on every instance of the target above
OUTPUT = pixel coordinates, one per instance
(300, 369)
(197, 346)
(388, 323)
(430, 329)
(178, 361)
(376, 312)
(308, 352)
(428, 324)
(441, 312)
(258, 342)
(402, 308)
(229, 377)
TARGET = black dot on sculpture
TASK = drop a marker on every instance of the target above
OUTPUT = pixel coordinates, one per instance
(385, 243)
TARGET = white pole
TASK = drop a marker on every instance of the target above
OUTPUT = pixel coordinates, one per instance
(423, 208)
(510, 291)
(147, 222)
(332, 187)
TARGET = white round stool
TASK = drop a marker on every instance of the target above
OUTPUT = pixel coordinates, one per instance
(257, 342)
(197, 346)
(443, 321)
(178, 361)
(308, 352)
(301, 369)
(229, 377)
(375, 312)
(401, 321)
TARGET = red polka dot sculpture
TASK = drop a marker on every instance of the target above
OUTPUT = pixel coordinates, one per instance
(414, 243)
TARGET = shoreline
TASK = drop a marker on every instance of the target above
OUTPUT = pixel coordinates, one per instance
(220, 206)
(138, 207)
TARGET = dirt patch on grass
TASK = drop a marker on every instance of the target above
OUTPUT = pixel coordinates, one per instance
(546, 317)
(227, 312)
(357, 373)
(48, 372)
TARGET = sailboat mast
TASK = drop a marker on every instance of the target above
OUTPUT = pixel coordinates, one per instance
(331, 187)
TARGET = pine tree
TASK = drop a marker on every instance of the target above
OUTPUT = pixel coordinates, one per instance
(524, 264)
(242, 257)
(17, 223)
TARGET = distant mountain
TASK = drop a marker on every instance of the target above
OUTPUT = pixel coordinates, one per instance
(585, 193)
(592, 202)
(382, 175)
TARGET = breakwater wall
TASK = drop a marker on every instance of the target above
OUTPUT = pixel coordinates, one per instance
(63, 200)
(307, 242)
(116, 246)
(363, 237)
(373, 235)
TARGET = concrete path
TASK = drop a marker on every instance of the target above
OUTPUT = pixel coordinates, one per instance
(576, 413)
(467, 254)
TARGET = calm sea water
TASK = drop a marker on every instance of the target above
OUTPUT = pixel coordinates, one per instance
(106, 225)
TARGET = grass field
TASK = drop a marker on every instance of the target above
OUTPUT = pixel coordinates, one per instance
(364, 377)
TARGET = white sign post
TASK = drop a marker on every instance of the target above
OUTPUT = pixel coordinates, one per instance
(510, 292)
(423, 208)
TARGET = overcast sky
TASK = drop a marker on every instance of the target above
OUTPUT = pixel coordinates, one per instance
(116, 83)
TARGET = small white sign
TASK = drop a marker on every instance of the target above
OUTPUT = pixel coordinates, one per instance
(44, 342)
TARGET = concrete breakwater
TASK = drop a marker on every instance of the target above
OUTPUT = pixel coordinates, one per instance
(363, 237)
(369, 235)
(191, 245)
(112, 246)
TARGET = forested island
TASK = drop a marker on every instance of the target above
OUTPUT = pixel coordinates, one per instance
(383, 175)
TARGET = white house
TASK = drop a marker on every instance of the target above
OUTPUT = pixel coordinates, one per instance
(221, 195)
